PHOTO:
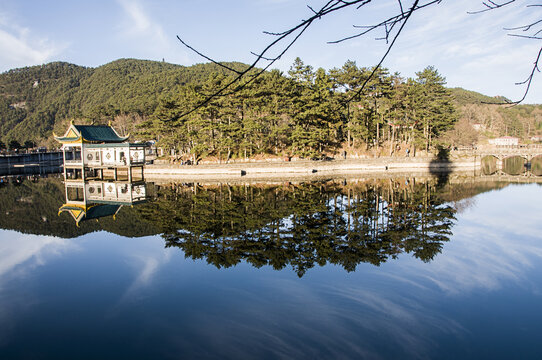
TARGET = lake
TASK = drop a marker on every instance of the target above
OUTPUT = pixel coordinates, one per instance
(388, 268)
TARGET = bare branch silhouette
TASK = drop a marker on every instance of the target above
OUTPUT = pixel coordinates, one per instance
(391, 27)
(285, 39)
(529, 79)
(375, 69)
(491, 5)
(387, 24)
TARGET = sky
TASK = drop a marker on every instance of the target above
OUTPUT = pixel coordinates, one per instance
(471, 51)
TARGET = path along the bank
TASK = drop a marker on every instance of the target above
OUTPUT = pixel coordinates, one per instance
(304, 168)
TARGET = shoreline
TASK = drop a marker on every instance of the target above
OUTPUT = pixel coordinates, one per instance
(311, 169)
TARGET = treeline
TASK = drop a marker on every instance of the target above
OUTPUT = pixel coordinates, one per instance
(308, 113)
(305, 112)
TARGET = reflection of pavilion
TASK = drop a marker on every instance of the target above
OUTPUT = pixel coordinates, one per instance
(95, 199)
(102, 172)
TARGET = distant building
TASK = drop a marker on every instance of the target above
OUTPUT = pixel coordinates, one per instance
(479, 127)
(504, 141)
(536, 138)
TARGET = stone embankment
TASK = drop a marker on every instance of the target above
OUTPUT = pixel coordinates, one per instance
(305, 168)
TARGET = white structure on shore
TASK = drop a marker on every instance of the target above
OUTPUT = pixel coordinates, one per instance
(91, 150)
(102, 172)
(504, 141)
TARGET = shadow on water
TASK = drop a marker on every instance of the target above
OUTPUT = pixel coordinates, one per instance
(536, 165)
(441, 167)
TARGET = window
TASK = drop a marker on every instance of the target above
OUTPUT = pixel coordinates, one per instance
(75, 193)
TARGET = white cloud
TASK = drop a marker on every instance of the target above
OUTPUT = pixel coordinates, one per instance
(146, 37)
(139, 23)
(20, 46)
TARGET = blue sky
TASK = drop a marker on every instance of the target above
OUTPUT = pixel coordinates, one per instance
(471, 51)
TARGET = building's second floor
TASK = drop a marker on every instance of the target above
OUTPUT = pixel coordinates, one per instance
(104, 155)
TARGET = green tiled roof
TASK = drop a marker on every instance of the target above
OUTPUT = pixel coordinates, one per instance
(99, 211)
(99, 133)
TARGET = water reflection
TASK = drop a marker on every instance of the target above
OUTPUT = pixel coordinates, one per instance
(86, 200)
(512, 165)
(536, 165)
(473, 300)
(285, 225)
(303, 225)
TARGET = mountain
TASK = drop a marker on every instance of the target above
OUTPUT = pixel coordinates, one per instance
(34, 99)
(465, 97)
(37, 100)
(494, 116)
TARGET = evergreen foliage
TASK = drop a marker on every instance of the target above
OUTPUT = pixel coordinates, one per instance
(307, 113)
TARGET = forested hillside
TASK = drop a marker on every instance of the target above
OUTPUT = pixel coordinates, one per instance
(35, 100)
(490, 120)
(307, 112)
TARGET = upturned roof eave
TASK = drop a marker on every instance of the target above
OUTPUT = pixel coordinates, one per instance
(64, 140)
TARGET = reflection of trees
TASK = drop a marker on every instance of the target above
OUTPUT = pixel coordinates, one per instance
(304, 225)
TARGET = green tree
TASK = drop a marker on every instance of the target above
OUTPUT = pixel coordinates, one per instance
(435, 111)
(14, 145)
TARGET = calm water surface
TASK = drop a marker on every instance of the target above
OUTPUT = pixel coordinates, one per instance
(401, 268)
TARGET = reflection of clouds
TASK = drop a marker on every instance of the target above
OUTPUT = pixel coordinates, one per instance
(298, 320)
(397, 310)
(274, 325)
(403, 304)
(19, 255)
(146, 259)
(21, 252)
(496, 242)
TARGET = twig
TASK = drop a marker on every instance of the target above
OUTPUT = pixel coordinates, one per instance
(330, 7)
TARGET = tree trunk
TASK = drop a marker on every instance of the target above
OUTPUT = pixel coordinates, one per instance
(377, 135)
(392, 141)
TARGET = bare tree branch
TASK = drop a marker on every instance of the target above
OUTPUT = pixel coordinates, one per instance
(392, 28)
(529, 79)
(491, 5)
(206, 57)
(387, 24)
(285, 39)
(375, 69)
